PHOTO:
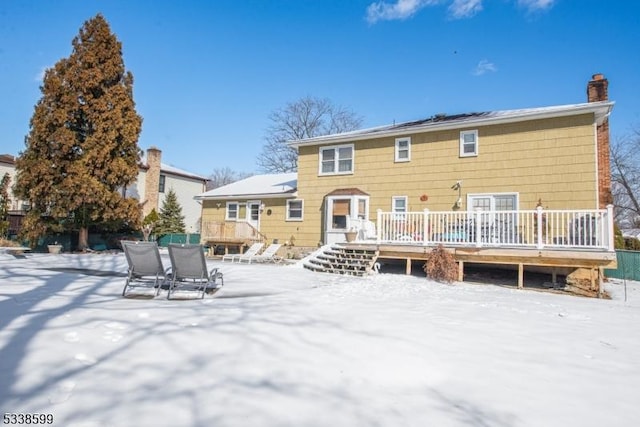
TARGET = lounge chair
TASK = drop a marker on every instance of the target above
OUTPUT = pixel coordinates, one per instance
(253, 250)
(189, 270)
(145, 266)
(269, 255)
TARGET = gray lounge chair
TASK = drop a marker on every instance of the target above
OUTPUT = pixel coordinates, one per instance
(145, 266)
(189, 271)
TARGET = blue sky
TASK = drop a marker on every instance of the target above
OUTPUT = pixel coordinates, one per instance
(207, 74)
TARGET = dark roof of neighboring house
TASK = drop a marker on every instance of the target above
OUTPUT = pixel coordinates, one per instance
(168, 169)
(171, 170)
(601, 110)
(7, 158)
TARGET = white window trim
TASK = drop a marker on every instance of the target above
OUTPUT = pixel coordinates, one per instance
(462, 134)
(393, 203)
(336, 160)
(226, 215)
(400, 215)
(408, 149)
(288, 218)
(492, 196)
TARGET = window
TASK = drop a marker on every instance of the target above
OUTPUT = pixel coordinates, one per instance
(403, 149)
(336, 160)
(469, 143)
(294, 210)
(232, 211)
(493, 202)
(161, 186)
(341, 210)
(362, 208)
(399, 204)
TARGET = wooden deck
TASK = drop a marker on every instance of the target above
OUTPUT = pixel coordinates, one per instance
(556, 261)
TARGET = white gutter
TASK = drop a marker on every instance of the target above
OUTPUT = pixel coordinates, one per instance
(292, 195)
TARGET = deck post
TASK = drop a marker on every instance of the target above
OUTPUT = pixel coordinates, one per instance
(478, 227)
(600, 281)
(379, 226)
(425, 226)
(520, 276)
(460, 271)
(539, 244)
(408, 268)
(611, 244)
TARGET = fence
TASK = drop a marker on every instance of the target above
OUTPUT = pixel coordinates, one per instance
(192, 239)
(628, 266)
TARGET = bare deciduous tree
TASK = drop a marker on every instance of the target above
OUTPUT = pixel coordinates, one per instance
(306, 118)
(224, 176)
(625, 179)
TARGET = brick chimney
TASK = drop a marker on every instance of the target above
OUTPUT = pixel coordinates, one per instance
(598, 90)
(152, 181)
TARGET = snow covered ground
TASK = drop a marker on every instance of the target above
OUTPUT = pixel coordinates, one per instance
(282, 346)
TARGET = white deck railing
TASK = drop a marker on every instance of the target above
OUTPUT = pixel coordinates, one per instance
(539, 228)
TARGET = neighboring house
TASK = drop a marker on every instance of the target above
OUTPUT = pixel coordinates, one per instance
(16, 206)
(155, 179)
(8, 165)
(153, 182)
(556, 157)
(258, 208)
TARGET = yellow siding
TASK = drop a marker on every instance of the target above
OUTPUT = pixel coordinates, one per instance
(273, 224)
(552, 160)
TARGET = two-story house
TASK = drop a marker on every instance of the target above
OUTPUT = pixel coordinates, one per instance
(505, 163)
(154, 181)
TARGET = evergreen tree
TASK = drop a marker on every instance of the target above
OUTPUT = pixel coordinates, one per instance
(149, 223)
(82, 148)
(171, 218)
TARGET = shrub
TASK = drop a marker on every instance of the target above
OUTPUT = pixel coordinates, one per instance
(441, 266)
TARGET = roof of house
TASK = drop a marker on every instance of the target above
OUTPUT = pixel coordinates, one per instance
(168, 169)
(256, 186)
(8, 159)
(175, 171)
(347, 192)
(601, 110)
(631, 233)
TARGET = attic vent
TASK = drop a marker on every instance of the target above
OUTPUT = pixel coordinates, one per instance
(439, 116)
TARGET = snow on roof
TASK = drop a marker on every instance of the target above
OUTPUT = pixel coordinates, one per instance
(176, 171)
(443, 121)
(269, 185)
(633, 233)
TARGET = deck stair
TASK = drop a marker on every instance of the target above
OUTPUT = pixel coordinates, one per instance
(342, 259)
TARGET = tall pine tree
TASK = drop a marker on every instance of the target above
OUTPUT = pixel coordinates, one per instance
(171, 218)
(82, 147)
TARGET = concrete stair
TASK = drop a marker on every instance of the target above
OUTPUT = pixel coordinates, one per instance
(340, 259)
